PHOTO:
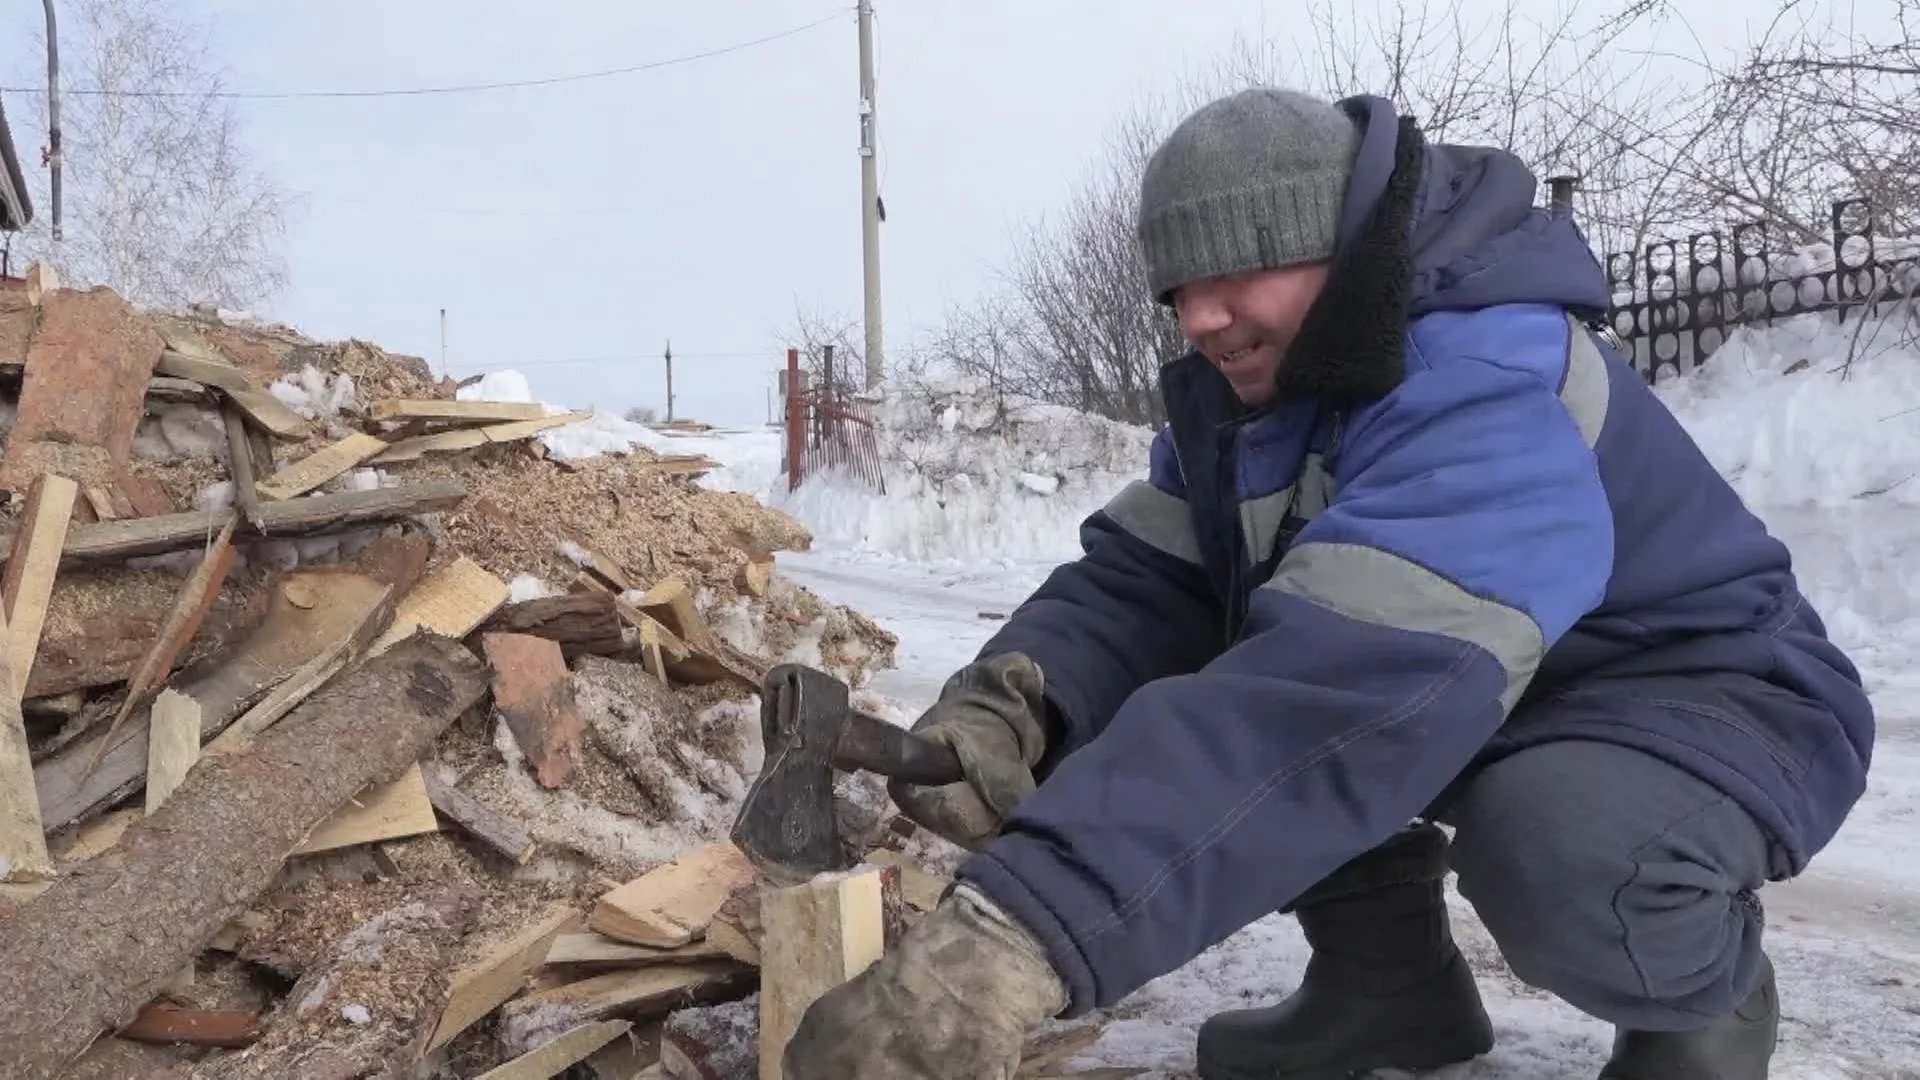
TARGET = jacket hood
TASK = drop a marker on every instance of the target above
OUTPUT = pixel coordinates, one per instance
(1477, 238)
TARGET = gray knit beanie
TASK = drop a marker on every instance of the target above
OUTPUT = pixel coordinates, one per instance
(1252, 181)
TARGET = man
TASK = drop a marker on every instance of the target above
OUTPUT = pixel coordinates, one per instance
(1416, 546)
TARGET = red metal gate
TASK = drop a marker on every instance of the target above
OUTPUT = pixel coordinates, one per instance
(828, 430)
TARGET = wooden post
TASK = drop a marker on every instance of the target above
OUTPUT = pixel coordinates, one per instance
(796, 422)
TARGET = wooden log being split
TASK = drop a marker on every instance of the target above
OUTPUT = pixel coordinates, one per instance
(82, 958)
(815, 936)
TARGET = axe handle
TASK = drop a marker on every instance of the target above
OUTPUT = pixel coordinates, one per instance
(876, 746)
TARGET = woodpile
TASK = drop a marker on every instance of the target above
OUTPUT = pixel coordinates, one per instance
(358, 735)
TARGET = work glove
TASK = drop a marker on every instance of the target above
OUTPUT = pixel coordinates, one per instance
(991, 713)
(953, 1001)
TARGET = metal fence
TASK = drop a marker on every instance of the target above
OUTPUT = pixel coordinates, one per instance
(829, 429)
(1676, 301)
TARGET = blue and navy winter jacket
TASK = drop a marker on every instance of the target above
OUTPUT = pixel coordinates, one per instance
(1467, 526)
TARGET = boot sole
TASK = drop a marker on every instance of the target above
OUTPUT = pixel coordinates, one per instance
(1410, 1055)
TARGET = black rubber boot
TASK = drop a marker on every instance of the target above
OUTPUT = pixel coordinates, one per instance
(1738, 1046)
(1386, 988)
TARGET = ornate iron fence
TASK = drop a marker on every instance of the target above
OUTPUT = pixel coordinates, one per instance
(1675, 302)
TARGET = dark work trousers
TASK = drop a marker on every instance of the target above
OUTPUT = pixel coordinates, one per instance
(1615, 880)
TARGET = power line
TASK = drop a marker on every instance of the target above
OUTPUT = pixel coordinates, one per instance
(464, 88)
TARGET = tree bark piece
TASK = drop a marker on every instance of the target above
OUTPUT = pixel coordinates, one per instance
(583, 623)
(713, 1042)
(672, 904)
(533, 692)
(83, 957)
(366, 1010)
(169, 1024)
(84, 390)
(481, 821)
(816, 936)
(164, 533)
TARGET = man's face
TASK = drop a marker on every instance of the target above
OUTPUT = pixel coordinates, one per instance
(1244, 323)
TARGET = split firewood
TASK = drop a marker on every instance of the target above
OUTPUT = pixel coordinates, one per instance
(600, 568)
(533, 693)
(671, 602)
(23, 838)
(816, 935)
(671, 904)
(367, 1008)
(582, 623)
(96, 946)
(638, 994)
(735, 927)
(756, 575)
(391, 810)
(596, 950)
(452, 600)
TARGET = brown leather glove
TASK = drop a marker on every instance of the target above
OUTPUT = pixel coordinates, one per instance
(953, 1001)
(993, 715)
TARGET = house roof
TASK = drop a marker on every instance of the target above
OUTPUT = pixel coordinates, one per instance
(16, 209)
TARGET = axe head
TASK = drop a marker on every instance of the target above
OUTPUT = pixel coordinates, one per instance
(786, 826)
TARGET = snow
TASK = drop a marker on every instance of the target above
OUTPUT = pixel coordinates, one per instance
(982, 501)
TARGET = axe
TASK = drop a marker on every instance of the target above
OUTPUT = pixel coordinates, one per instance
(787, 827)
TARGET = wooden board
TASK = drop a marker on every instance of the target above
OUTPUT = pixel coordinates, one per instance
(553, 1058)
(471, 438)
(483, 983)
(482, 822)
(440, 409)
(597, 950)
(23, 837)
(671, 905)
(386, 811)
(322, 465)
(173, 744)
(453, 600)
(815, 936)
(31, 567)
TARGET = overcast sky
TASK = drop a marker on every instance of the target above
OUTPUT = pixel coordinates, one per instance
(570, 231)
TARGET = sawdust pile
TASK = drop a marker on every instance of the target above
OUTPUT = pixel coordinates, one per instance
(261, 515)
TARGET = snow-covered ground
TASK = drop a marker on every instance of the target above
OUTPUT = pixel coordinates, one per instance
(982, 503)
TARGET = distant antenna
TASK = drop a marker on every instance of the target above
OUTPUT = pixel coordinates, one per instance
(444, 371)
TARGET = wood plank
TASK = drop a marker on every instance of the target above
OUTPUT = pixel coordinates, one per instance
(384, 811)
(165, 533)
(332, 658)
(481, 821)
(471, 438)
(442, 409)
(598, 950)
(31, 568)
(641, 993)
(482, 984)
(555, 1057)
(671, 904)
(190, 605)
(98, 945)
(816, 935)
(240, 464)
(322, 465)
(453, 600)
(173, 744)
(23, 836)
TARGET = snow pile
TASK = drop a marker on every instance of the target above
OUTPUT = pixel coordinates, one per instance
(974, 475)
(600, 433)
(1826, 450)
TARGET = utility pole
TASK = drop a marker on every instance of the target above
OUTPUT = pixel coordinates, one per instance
(669, 381)
(443, 343)
(870, 199)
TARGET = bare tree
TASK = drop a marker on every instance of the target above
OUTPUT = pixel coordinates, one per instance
(162, 200)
